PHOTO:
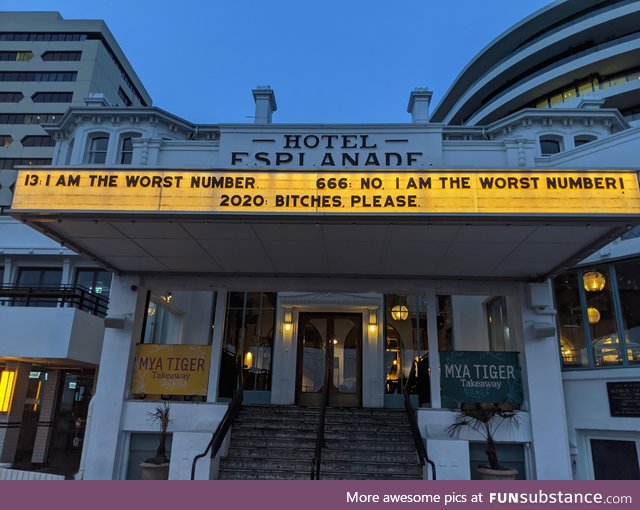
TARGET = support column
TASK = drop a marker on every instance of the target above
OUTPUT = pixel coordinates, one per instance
(102, 448)
(434, 354)
(549, 436)
(48, 399)
(11, 421)
(216, 344)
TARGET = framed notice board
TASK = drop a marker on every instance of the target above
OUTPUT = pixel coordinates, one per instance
(624, 398)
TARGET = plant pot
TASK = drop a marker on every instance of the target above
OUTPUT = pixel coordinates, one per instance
(486, 473)
(154, 471)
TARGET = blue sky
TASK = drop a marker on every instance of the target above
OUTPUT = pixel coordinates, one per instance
(333, 61)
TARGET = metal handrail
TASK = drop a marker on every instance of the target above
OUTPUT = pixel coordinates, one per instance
(413, 422)
(74, 296)
(227, 420)
(317, 455)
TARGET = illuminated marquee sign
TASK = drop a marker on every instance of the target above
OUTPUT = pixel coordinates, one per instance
(294, 192)
(171, 369)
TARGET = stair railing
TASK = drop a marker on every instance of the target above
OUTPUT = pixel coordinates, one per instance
(413, 422)
(317, 455)
(227, 420)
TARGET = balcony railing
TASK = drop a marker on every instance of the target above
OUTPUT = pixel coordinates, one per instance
(73, 296)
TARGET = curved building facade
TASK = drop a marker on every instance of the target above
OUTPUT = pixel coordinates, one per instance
(566, 51)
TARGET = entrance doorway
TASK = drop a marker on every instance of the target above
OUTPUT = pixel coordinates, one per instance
(333, 341)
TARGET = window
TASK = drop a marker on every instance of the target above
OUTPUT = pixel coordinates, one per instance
(10, 97)
(570, 321)
(587, 87)
(406, 342)
(29, 118)
(550, 145)
(61, 56)
(248, 331)
(5, 140)
(445, 323)
(40, 278)
(126, 152)
(52, 97)
(15, 56)
(568, 94)
(9, 163)
(38, 76)
(97, 154)
(38, 141)
(598, 315)
(628, 280)
(615, 459)
(497, 322)
(582, 139)
(179, 317)
(41, 36)
(124, 97)
(96, 281)
(601, 318)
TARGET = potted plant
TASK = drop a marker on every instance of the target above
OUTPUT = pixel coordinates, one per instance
(157, 467)
(486, 419)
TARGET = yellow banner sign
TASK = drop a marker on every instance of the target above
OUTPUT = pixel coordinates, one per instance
(171, 369)
(402, 192)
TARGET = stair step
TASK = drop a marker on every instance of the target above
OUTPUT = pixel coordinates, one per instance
(271, 453)
(336, 420)
(392, 445)
(246, 452)
(244, 474)
(324, 475)
(278, 442)
(272, 442)
(372, 427)
(261, 464)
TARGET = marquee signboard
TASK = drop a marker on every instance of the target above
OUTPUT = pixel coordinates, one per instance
(311, 192)
(479, 377)
(171, 369)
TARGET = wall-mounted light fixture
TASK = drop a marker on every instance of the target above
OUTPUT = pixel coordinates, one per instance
(7, 385)
(373, 321)
(288, 321)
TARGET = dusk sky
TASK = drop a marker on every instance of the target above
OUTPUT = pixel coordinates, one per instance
(334, 61)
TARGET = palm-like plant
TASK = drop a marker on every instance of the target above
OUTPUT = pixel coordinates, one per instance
(161, 416)
(485, 419)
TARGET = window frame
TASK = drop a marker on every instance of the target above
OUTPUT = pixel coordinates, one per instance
(92, 153)
(618, 320)
(130, 135)
(550, 138)
(580, 140)
(52, 97)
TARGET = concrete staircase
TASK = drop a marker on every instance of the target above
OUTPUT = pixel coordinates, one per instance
(278, 442)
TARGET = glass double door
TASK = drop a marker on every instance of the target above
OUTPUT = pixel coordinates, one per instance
(329, 349)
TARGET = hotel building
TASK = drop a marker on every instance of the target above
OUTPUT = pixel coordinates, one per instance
(484, 252)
